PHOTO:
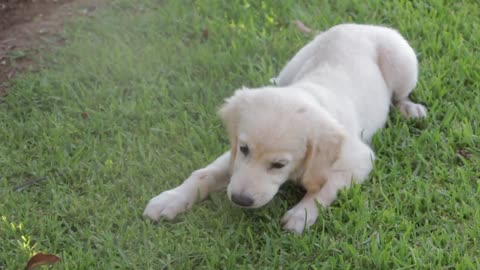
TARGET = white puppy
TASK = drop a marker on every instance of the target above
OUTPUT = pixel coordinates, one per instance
(313, 127)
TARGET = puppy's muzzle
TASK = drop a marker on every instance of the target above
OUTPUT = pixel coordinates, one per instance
(242, 200)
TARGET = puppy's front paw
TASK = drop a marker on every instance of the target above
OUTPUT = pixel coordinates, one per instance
(274, 81)
(412, 110)
(300, 217)
(168, 205)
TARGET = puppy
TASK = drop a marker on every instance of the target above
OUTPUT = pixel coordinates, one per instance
(313, 128)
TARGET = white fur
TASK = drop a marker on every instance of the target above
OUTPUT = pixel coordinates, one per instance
(329, 101)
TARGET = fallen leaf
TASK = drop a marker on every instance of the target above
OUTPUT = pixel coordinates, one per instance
(300, 26)
(85, 115)
(464, 153)
(11, 73)
(205, 33)
(40, 259)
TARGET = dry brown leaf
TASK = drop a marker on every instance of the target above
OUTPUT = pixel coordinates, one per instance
(11, 73)
(205, 33)
(300, 26)
(40, 259)
(464, 153)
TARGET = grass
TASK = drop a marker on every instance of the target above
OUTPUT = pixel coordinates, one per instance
(127, 109)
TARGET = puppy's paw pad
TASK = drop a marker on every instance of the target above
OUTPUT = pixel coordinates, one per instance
(298, 219)
(274, 81)
(412, 110)
(167, 205)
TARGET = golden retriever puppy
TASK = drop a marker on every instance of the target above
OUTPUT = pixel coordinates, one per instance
(313, 127)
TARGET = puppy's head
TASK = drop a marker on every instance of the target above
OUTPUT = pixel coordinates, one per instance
(276, 134)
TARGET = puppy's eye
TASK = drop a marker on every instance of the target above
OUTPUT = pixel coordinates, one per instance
(244, 149)
(277, 165)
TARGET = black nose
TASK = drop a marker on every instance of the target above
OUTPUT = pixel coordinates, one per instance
(242, 200)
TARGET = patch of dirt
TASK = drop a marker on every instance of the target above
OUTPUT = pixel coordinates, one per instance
(28, 27)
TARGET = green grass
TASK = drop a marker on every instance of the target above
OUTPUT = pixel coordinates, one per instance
(127, 109)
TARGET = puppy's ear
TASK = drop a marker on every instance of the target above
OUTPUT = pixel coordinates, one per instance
(323, 149)
(230, 115)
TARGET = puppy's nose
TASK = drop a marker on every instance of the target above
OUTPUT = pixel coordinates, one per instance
(242, 200)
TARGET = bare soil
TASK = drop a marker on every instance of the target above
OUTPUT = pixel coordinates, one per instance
(29, 27)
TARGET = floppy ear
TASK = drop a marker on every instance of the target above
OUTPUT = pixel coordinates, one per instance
(229, 113)
(323, 149)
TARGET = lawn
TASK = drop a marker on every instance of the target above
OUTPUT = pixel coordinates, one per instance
(127, 109)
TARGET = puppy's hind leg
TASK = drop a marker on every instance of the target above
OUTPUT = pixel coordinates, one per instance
(202, 182)
(399, 67)
(411, 109)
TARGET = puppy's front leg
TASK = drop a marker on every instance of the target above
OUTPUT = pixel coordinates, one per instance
(354, 165)
(305, 213)
(202, 182)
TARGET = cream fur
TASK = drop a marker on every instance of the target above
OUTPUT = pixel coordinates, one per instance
(317, 122)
